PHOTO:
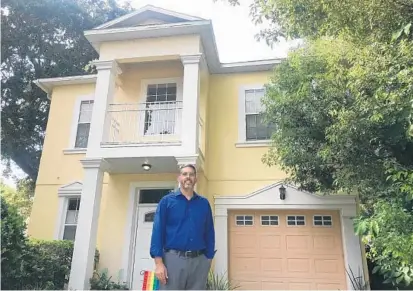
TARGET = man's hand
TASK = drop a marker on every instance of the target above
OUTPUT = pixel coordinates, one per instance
(161, 273)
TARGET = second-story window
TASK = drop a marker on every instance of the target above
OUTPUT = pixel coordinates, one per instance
(83, 124)
(161, 112)
(256, 128)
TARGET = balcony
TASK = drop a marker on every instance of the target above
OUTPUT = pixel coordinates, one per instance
(143, 124)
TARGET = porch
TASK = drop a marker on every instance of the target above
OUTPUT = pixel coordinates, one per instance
(117, 213)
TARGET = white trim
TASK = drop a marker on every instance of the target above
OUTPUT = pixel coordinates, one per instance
(149, 8)
(322, 220)
(74, 151)
(269, 220)
(242, 134)
(202, 27)
(48, 84)
(253, 143)
(75, 117)
(65, 192)
(295, 220)
(179, 93)
(130, 230)
(267, 198)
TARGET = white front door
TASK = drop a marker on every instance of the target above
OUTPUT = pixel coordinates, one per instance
(143, 260)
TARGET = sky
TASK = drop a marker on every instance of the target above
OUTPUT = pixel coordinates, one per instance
(233, 28)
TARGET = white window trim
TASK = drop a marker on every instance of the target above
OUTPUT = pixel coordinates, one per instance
(295, 219)
(242, 134)
(244, 225)
(322, 220)
(73, 129)
(269, 215)
(72, 190)
(179, 97)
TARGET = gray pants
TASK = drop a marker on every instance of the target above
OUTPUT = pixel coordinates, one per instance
(185, 273)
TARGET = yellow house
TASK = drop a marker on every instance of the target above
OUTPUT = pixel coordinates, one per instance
(162, 98)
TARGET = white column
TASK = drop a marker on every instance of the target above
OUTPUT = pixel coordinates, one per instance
(221, 241)
(86, 232)
(190, 104)
(352, 246)
(104, 91)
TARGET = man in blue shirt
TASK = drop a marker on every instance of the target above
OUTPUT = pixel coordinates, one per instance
(183, 236)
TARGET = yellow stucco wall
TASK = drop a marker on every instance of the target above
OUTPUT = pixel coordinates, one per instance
(150, 48)
(228, 170)
(232, 170)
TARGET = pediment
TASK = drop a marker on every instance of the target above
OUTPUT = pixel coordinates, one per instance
(270, 195)
(74, 188)
(149, 15)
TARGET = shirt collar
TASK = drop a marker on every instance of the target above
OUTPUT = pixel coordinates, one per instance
(178, 192)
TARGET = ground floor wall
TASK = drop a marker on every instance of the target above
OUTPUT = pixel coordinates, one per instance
(115, 211)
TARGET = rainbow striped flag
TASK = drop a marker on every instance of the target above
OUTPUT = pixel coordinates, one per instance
(150, 282)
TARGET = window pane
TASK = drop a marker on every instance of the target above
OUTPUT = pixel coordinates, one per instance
(82, 135)
(86, 108)
(150, 217)
(253, 99)
(161, 92)
(147, 196)
(69, 232)
(256, 129)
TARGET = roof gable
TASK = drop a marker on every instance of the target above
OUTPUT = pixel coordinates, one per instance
(270, 196)
(149, 15)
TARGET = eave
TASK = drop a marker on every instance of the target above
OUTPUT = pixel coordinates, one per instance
(48, 84)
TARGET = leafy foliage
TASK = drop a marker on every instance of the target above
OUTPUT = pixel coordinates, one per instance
(219, 282)
(40, 39)
(103, 281)
(13, 245)
(343, 106)
(20, 198)
(31, 263)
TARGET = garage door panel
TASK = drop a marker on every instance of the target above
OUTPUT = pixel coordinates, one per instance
(270, 244)
(281, 256)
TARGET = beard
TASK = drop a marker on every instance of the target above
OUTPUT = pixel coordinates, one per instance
(187, 184)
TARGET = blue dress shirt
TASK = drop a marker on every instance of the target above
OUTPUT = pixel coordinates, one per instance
(182, 224)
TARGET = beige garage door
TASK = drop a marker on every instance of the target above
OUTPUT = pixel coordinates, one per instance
(282, 249)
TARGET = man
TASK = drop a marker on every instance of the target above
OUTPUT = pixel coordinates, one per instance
(183, 236)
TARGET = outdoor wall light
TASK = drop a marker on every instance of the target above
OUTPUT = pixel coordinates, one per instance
(146, 166)
(282, 190)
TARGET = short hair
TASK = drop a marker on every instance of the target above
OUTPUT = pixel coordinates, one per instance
(188, 166)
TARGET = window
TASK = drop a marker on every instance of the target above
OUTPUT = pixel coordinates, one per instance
(161, 109)
(152, 196)
(269, 220)
(70, 223)
(322, 220)
(295, 220)
(150, 216)
(83, 123)
(256, 128)
(252, 128)
(244, 220)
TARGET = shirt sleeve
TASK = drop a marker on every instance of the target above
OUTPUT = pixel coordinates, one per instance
(210, 234)
(158, 230)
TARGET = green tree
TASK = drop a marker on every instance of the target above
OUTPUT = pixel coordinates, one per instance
(343, 106)
(41, 39)
(20, 198)
(13, 245)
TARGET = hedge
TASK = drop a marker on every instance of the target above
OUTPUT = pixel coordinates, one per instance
(31, 263)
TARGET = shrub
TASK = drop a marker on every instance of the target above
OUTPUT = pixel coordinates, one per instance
(31, 263)
(217, 282)
(13, 245)
(102, 281)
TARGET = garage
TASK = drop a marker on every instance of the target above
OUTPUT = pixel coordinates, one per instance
(286, 249)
